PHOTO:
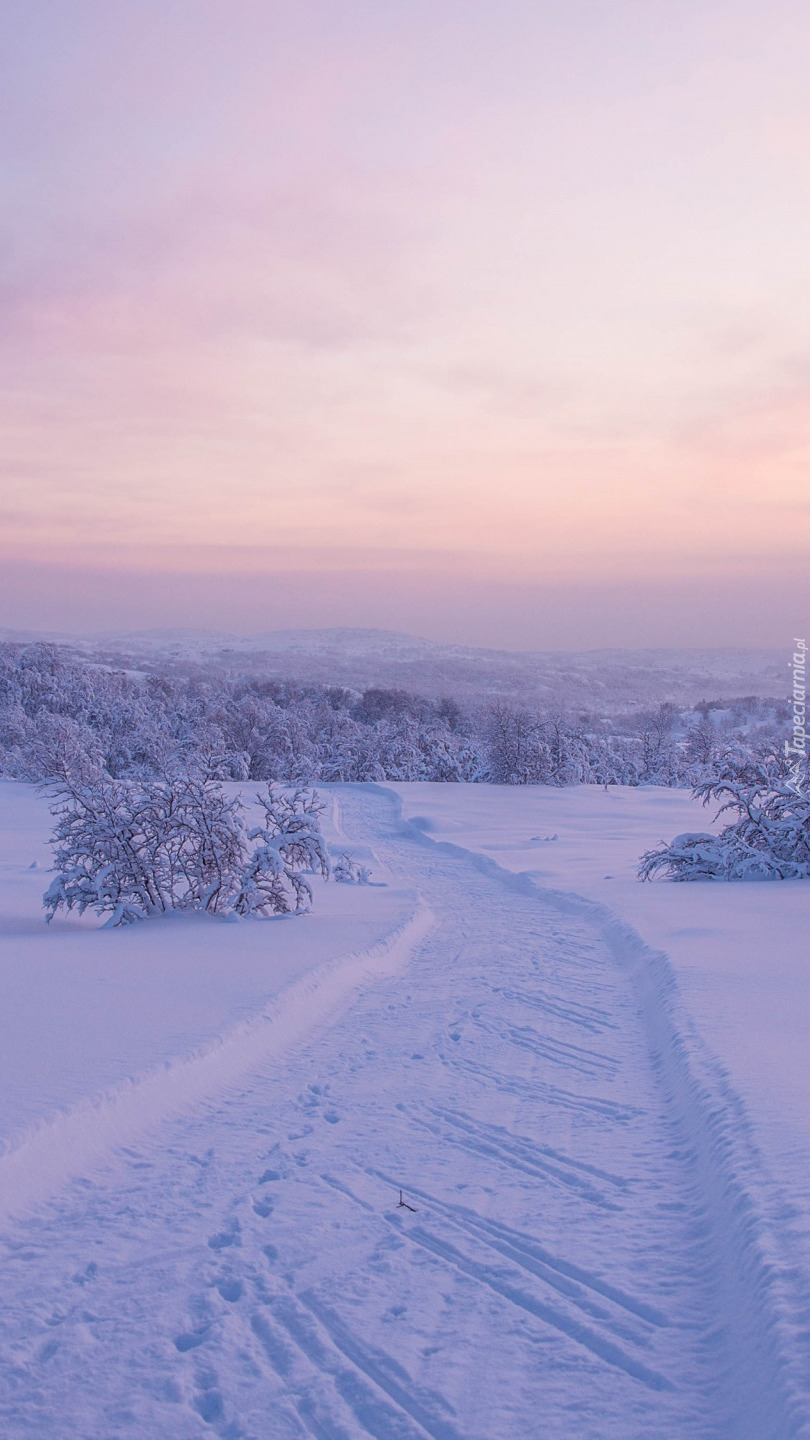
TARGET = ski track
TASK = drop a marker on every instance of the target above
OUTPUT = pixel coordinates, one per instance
(590, 1255)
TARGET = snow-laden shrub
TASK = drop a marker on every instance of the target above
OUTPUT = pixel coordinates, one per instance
(290, 845)
(769, 840)
(348, 872)
(131, 849)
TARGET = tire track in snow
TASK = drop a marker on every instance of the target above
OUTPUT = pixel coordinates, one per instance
(501, 1282)
(495, 1142)
(542, 1091)
(521, 1308)
(736, 1209)
(520, 1143)
(501, 1236)
(336, 1381)
(590, 1063)
(588, 1017)
(581, 1287)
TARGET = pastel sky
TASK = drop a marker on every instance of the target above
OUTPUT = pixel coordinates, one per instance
(483, 319)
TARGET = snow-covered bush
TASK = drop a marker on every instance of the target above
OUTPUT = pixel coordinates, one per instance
(290, 844)
(769, 839)
(348, 872)
(132, 849)
(62, 716)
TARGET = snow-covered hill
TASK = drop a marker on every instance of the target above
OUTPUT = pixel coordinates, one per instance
(572, 680)
(604, 1149)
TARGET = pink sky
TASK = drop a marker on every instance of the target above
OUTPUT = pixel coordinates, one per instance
(489, 322)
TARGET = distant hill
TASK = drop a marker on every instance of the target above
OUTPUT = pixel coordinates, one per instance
(608, 680)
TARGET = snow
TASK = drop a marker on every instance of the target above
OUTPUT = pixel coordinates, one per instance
(87, 1013)
(741, 953)
(613, 680)
(604, 1148)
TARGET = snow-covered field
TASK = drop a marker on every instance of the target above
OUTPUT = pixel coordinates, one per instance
(741, 952)
(101, 1029)
(592, 1092)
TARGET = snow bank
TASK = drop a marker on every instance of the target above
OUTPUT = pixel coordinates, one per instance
(741, 953)
(104, 1032)
(723, 982)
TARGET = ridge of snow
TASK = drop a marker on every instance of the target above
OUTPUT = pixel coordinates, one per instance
(765, 1294)
(49, 1154)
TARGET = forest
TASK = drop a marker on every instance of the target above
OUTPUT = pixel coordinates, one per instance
(62, 716)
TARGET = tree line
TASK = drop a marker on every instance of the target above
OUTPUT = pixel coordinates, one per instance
(62, 716)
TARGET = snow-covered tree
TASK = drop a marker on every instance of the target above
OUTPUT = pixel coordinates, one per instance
(290, 844)
(63, 716)
(769, 839)
(131, 850)
(516, 753)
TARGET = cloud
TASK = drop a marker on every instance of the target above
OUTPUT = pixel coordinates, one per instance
(522, 292)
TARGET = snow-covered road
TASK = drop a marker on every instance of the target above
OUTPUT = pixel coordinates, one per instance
(588, 1254)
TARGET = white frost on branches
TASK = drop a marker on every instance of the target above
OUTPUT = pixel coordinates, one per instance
(290, 843)
(132, 849)
(62, 717)
(349, 872)
(769, 840)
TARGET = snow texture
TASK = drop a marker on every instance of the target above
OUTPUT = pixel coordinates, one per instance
(606, 1235)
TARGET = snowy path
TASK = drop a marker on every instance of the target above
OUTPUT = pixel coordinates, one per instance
(570, 1269)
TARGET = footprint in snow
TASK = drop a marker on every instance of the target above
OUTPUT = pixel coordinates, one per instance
(224, 1238)
(230, 1290)
(190, 1340)
(87, 1274)
(209, 1406)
